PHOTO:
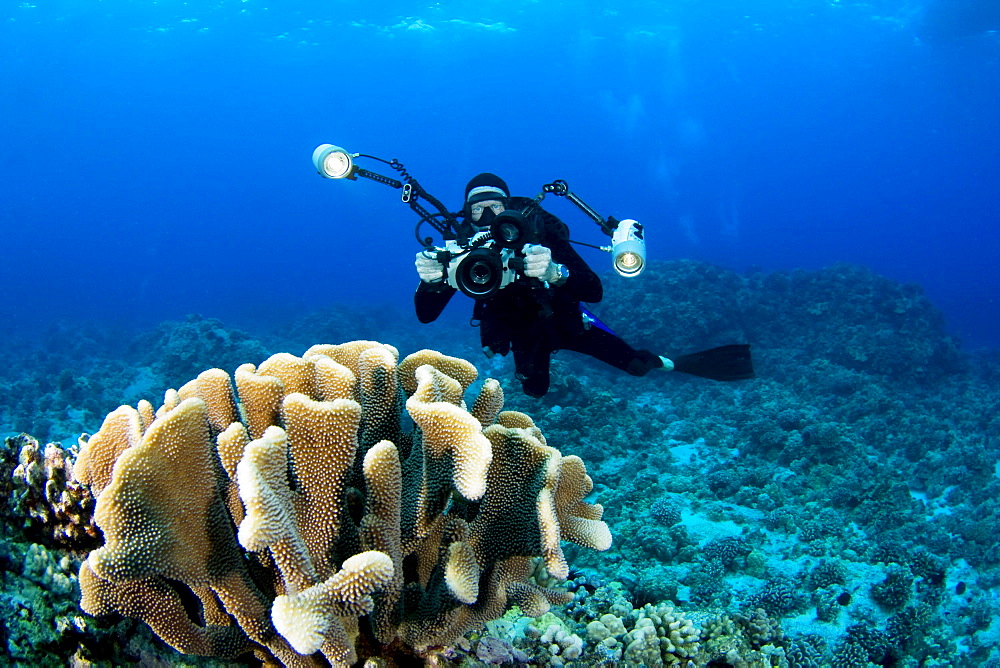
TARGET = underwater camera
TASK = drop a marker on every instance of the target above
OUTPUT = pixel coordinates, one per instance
(478, 272)
(490, 261)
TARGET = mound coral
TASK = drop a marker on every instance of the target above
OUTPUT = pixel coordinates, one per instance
(302, 518)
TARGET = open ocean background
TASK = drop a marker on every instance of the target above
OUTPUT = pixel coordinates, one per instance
(820, 179)
(155, 155)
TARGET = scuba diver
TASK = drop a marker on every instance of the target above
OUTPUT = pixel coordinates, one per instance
(515, 260)
(533, 306)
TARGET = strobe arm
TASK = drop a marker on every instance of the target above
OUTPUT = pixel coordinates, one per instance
(628, 245)
(560, 188)
(378, 178)
(333, 162)
(412, 191)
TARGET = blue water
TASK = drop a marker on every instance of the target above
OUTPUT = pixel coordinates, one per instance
(155, 157)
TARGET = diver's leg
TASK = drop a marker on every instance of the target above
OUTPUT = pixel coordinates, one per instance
(612, 350)
(531, 365)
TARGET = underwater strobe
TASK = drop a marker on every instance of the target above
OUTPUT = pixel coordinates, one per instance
(628, 248)
(628, 245)
(333, 162)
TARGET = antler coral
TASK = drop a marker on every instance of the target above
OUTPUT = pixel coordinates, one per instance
(287, 539)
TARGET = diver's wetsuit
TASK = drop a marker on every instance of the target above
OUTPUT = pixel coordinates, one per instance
(534, 321)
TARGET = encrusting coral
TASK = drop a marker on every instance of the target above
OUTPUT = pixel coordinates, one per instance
(306, 519)
(56, 508)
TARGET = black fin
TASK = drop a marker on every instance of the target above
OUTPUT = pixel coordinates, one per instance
(730, 362)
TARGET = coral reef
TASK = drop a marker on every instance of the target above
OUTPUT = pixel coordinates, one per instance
(54, 509)
(179, 350)
(844, 313)
(40, 614)
(661, 636)
(295, 507)
(850, 491)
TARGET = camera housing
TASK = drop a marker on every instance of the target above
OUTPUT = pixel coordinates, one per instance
(490, 260)
(479, 269)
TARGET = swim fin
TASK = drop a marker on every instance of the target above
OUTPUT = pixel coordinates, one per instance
(732, 362)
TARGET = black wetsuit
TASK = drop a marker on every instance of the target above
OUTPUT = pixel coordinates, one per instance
(534, 321)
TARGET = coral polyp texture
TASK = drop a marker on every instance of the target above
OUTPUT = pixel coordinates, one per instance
(306, 516)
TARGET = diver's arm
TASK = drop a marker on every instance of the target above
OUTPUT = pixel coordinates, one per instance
(430, 300)
(583, 284)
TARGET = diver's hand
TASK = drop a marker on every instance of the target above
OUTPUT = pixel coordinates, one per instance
(428, 267)
(538, 264)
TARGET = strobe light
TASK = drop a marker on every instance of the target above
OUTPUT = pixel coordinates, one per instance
(628, 248)
(333, 162)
